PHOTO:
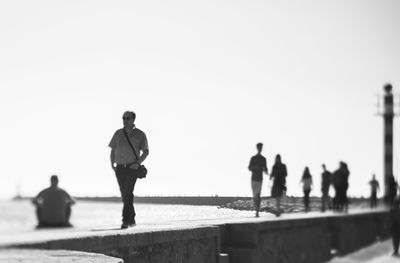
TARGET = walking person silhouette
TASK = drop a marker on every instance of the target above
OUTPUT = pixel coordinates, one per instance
(391, 190)
(340, 180)
(306, 179)
(374, 190)
(258, 165)
(325, 185)
(125, 162)
(278, 175)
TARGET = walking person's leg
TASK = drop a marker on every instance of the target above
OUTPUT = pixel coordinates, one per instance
(340, 199)
(256, 189)
(375, 201)
(126, 181)
(323, 202)
(130, 186)
(253, 190)
(345, 199)
(307, 199)
(121, 182)
(278, 206)
(395, 239)
(336, 200)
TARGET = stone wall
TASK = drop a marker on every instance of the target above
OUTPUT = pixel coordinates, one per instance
(189, 245)
(289, 239)
(301, 240)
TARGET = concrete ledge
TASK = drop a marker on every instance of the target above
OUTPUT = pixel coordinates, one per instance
(53, 256)
(302, 240)
(179, 245)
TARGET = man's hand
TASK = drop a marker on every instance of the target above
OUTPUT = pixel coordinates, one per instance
(134, 166)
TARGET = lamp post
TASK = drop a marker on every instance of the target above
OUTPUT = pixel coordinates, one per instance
(388, 116)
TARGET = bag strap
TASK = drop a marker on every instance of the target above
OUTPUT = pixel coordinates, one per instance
(129, 141)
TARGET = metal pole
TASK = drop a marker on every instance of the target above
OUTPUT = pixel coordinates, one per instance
(388, 135)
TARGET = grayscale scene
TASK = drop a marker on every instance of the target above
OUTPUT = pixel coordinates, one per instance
(200, 131)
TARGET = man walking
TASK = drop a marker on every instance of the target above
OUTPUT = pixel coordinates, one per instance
(374, 190)
(125, 163)
(258, 165)
(325, 184)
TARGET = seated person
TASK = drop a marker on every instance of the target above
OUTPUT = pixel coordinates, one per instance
(53, 206)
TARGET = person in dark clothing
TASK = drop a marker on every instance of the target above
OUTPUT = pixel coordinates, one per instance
(125, 163)
(374, 189)
(278, 175)
(306, 179)
(258, 165)
(345, 186)
(391, 191)
(325, 184)
(53, 206)
(336, 181)
(395, 226)
(340, 183)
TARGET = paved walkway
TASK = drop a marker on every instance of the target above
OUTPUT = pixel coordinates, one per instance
(53, 256)
(380, 252)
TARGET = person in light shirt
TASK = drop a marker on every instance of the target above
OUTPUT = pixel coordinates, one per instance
(125, 163)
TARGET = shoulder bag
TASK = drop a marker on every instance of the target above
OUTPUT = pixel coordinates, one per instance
(141, 172)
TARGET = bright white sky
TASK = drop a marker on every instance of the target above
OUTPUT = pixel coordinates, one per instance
(207, 79)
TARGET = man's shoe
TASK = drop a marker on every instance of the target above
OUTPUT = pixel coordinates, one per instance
(133, 223)
(124, 225)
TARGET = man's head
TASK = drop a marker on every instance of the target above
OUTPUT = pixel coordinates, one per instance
(54, 180)
(259, 147)
(323, 166)
(129, 119)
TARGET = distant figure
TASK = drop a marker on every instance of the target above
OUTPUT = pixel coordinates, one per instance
(258, 165)
(53, 206)
(374, 190)
(306, 179)
(395, 226)
(391, 190)
(346, 174)
(278, 174)
(125, 164)
(325, 184)
(340, 182)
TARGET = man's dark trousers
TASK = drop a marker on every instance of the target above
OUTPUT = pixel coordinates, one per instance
(126, 180)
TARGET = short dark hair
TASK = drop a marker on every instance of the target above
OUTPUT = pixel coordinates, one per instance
(133, 114)
(54, 178)
(259, 144)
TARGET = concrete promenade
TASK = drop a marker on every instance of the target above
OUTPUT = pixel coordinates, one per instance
(53, 256)
(379, 252)
(296, 238)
